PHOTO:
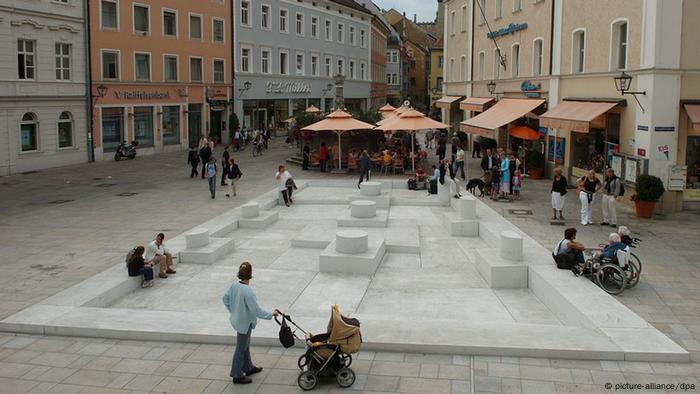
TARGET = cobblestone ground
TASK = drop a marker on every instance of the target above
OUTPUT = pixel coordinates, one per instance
(48, 245)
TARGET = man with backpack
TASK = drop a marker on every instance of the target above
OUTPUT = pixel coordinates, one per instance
(612, 189)
(210, 170)
(205, 153)
(234, 174)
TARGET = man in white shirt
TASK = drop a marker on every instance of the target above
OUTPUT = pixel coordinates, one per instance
(157, 254)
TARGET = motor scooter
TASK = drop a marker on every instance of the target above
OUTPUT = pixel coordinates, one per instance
(125, 151)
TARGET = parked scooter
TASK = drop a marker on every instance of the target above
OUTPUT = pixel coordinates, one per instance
(125, 151)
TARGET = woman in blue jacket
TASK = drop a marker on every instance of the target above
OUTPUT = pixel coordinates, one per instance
(505, 174)
(242, 304)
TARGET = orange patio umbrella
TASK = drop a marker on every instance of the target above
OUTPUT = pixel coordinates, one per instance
(312, 110)
(386, 111)
(339, 122)
(524, 132)
(411, 120)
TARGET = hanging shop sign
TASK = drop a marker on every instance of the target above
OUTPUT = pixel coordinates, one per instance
(530, 89)
(504, 31)
(287, 87)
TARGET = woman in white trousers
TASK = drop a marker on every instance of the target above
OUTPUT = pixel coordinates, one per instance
(588, 186)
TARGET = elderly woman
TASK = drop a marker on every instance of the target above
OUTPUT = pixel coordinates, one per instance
(242, 304)
(614, 244)
(558, 194)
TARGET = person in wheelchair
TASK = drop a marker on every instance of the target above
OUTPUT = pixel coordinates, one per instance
(625, 235)
(609, 254)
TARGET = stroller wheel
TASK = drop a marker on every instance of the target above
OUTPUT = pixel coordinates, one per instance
(302, 361)
(345, 377)
(307, 380)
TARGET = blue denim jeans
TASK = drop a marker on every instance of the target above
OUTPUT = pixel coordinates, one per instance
(147, 273)
(212, 185)
(242, 363)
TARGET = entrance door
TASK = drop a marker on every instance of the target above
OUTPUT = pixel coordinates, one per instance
(215, 129)
(112, 128)
(194, 124)
(261, 118)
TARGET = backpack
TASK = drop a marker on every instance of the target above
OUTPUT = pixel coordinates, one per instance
(565, 260)
(412, 184)
(130, 255)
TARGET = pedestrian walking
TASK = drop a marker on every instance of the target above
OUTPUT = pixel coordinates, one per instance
(558, 194)
(234, 175)
(516, 184)
(225, 162)
(429, 139)
(505, 175)
(305, 157)
(442, 146)
(323, 156)
(283, 185)
(205, 153)
(476, 149)
(242, 305)
(588, 186)
(211, 171)
(611, 191)
(365, 166)
(203, 141)
(193, 160)
(459, 160)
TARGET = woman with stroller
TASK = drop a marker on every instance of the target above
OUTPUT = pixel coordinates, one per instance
(242, 304)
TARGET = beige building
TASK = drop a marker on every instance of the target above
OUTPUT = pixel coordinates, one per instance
(550, 65)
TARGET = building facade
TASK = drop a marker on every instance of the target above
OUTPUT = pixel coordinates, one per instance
(43, 85)
(380, 34)
(395, 70)
(288, 53)
(436, 78)
(563, 57)
(161, 73)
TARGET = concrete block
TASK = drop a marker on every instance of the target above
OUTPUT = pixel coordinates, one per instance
(511, 246)
(197, 238)
(444, 194)
(351, 241)
(370, 188)
(461, 227)
(208, 254)
(466, 207)
(379, 220)
(365, 263)
(250, 210)
(263, 220)
(498, 272)
(363, 209)
(383, 200)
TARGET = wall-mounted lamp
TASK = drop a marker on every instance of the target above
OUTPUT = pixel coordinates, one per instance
(245, 88)
(622, 84)
(328, 88)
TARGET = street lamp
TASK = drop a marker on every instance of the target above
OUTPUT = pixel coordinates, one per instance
(101, 91)
(491, 86)
(622, 84)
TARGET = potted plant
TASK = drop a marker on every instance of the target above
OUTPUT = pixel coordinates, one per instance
(649, 190)
(534, 160)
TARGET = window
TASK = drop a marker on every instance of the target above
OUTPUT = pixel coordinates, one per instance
(141, 19)
(537, 57)
(170, 119)
(218, 30)
(465, 21)
(496, 64)
(143, 126)
(142, 67)
(300, 24)
(109, 18)
(26, 59)
(195, 27)
(219, 71)
(28, 133)
(265, 17)
(578, 56)
(392, 56)
(195, 69)
(363, 71)
(284, 63)
(499, 9)
(329, 30)
(515, 61)
(618, 48)
(265, 61)
(65, 130)
(340, 66)
(300, 64)
(482, 11)
(452, 23)
(169, 23)
(441, 61)
(392, 79)
(245, 13)
(363, 38)
(314, 65)
(283, 21)
(170, 68)
(63, 61)
(112, 127)
(351, 34)
(314, 26)
(517, 5)
(341, 32)
(110, 65)
(328, 71)
(245, 60)
(452, 69)
(351, 69)
(480, 72)
(463, 68)
(439, 83)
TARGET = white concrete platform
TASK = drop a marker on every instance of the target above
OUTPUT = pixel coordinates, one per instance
(417, 288)
(209, 253)
(383, 200)
(381, 219)
(458, 227)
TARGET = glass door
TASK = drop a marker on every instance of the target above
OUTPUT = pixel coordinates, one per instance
(194, 124)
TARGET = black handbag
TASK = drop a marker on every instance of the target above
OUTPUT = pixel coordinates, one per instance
(566, 260)
(286, 335)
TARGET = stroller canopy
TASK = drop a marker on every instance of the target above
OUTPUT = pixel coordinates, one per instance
(344, 331)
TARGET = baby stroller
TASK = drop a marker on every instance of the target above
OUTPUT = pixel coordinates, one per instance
(329, 354)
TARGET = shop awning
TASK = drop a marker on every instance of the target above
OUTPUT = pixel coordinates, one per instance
(693, 111)
(576, 115)
(446, 102)
(503, 112)
(476, 104)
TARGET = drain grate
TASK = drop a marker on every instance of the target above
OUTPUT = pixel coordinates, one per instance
(127, 194)
(106, 185)
(59, 201)
(520, 212)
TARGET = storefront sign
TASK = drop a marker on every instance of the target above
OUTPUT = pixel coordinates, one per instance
(141, 95)
(662, 152)
(287, 87)
(641, 152)
(642, 128)
(676, 178)
(510, 29)
(664, 129)
(530, 89)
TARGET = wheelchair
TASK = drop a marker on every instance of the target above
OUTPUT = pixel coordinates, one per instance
(613, 275)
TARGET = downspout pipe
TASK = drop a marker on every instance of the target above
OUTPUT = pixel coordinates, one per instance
(551, 38)
(88, 83)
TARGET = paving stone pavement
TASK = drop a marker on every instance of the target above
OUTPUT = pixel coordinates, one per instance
(48, 247)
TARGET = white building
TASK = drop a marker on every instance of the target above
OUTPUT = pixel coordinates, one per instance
(43, 103)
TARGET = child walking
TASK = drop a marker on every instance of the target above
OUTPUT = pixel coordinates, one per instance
(517, 183)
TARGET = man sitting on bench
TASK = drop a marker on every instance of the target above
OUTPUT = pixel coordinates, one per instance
(156, 254)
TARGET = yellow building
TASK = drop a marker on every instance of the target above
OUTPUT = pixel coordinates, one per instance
(435, 79)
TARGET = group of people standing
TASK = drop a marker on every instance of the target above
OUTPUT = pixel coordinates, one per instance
(502, 175)
(587, 188)
(230, 173)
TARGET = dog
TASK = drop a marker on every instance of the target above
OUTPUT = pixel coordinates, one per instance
(475, 183)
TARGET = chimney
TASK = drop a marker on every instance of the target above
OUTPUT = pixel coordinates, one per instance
(415, 18)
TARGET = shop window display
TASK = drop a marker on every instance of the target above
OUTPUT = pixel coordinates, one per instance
(592, 150)
(692, 159)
